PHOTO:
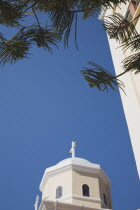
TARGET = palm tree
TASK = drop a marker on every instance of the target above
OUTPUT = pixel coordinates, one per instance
(122, 30)
(25, 15)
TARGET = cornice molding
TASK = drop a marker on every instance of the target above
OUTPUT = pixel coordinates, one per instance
(55, 205)
(79, 197)
(97, 171)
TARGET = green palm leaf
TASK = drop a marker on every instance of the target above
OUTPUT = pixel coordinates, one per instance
(10, 14)
(99, 77)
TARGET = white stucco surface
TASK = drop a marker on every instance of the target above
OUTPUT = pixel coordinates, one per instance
(55, 205)
(72, 161)
(130, 101)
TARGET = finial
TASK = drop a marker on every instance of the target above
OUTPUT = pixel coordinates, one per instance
(36, 202)
(73, 148)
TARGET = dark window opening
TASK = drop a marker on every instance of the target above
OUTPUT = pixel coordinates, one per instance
(85, 189)
(128, 15)
(136, 2)
(58, 192)
(105, 199)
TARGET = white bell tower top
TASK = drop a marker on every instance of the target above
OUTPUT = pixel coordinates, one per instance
(75, 182)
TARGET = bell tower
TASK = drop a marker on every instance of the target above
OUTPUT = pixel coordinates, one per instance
(75, 183)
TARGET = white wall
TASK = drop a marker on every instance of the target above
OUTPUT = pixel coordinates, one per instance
(63, 179)
(130, 101)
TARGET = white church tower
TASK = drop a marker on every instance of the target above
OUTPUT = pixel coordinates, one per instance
(75, 184)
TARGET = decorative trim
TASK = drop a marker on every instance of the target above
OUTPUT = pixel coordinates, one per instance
(51, 204)
(97, 171)
(65, 197)
(52, 173)
(79, 197)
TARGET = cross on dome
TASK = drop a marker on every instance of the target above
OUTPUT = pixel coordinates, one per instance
(72, 150)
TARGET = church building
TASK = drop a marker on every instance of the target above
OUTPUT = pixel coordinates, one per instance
(74, 184)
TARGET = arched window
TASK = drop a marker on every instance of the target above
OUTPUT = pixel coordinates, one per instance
(58, 192)
(85, 189)
(105, 199)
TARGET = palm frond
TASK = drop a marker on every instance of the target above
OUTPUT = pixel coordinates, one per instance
(43, 37)
(132, 63)
(62, 18)
(12, 51)
(10, 14)
(18, 47)
(119, 28)
(63, 13)
(93, 7)
(2, 38)
(99, 77)
(133, 43)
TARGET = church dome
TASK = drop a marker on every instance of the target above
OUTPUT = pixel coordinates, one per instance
(72, 162)
(76, 161)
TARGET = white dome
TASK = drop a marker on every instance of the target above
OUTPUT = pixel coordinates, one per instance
(76, 161)
(72, 162)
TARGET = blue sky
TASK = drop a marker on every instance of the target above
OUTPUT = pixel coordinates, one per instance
(45, 104)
